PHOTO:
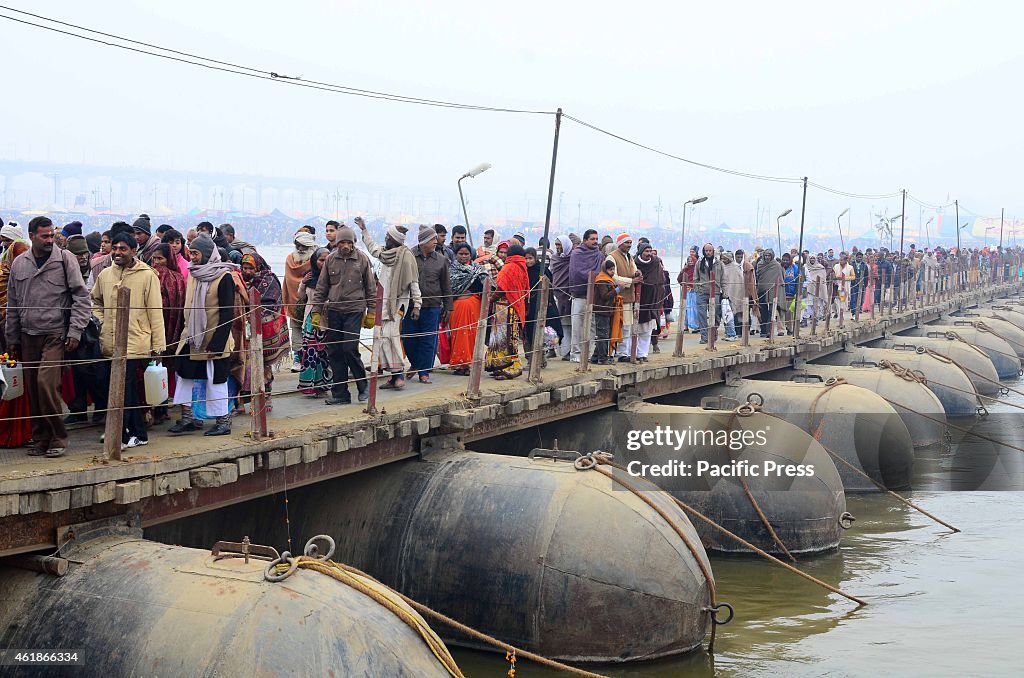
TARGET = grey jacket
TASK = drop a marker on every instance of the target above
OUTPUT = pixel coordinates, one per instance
(39, 297)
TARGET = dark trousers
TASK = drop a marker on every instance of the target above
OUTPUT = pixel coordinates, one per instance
(419, 338)
(854, 299)
(764, 301)
(42, 382)
(91, 379)
(343, 351)
(603, 324)
(134, 412)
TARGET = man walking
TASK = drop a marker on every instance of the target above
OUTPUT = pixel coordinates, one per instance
(47, 309)
(146, 337)
(345, 289)
(419, 335)
(708, 267)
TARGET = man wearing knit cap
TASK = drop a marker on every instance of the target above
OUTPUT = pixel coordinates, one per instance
(74, 228)
(419, 336)
(626, 276)
(345, 289)
(145, 238)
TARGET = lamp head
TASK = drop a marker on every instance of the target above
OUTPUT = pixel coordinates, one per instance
(843, 213)
(786, 213)
(699, 200)
(479, 169)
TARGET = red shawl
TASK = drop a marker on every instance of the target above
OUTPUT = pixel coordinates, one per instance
(514, 280)
(172, 292)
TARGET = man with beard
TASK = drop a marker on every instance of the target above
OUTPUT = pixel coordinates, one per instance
(626, 276)
(769, 285)
(47, 310)
(708, 265)
(585, 259)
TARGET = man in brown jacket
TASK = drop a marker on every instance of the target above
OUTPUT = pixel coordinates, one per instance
(47, 309)
(345, 289)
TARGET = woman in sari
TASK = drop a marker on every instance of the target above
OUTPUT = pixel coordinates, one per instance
(869, 292)
(691, 296)
(316, 376)
(467, 281)
(17, 428)
(258, 277)
(172, 294)
(509, 299)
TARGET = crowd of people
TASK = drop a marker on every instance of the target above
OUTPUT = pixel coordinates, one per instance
(421, 294)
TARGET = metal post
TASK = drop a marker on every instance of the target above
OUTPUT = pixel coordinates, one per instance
(1002, 213)
(257, 389)
(542, 305)
(903, 220)
(773, 313)
(873, 278)
(477, 368)
(465, 214)
(371, 403)
(800, 267)
(114, 427)
(588, 319)
(956, 204)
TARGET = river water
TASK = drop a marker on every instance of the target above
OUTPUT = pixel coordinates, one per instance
(939, 603)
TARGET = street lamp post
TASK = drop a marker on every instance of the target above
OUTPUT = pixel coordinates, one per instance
(956, 205)
(682, 244)
(778, 227)
(473, 173)
(839, 223)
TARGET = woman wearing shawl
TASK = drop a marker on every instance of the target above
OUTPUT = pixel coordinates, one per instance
(296, 266)
(17, 428)
(206, 342)
(560, 289)
(467, 281)
(172, 294)
(316, 376)
(869, 293)
(686, 276)
(176, 241)
(400, 278)
(510, 296)
(259, 278)
(652, 298)
(552, 320)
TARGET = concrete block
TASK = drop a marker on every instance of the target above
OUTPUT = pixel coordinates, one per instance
(59, 500)
(273, 459)
(563, 393)
(404, 429)
(81, 496)
(435, 421)
(30, 503)
(313, 451)
(609, 384)
(361, 438)
(147, 486)
(128, 493)
(214, 475)
(640, 376)
(293, 456)
(422, 425)
(103, 492)
(661, 373)
(340, 444)
(480, 414)
(515, 406)
(383, 432)
(718, 362)
(544, 397)
(246, 465)
(169, 483)
(10, 504)
(459, 420)
(532, 402)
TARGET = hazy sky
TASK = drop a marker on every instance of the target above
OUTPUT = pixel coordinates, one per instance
(869, 97)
